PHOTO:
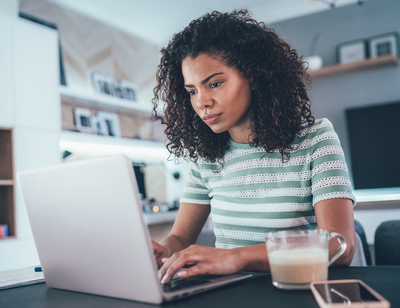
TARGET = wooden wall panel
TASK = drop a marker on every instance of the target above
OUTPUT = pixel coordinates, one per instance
(6, 155)
(91, 46)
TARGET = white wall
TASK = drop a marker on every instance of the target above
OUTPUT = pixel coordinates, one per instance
(9, 7)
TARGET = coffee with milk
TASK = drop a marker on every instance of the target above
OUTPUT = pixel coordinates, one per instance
(299, 257)
(301, 265)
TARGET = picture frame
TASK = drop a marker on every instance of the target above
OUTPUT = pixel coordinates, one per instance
(83, 119)
(102, 84)
(119, 91)
(109, 124)
(352, 51)
(383, 45)
(130, 90)
(96, 125)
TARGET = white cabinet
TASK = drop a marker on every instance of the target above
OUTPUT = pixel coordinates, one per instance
(33, 148)
(36, 104)
(9, 7)
(6, 72)
(30, 104)
(36, 76)
(29, 75)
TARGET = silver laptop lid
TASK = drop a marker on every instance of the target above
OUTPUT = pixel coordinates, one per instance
(88, 227)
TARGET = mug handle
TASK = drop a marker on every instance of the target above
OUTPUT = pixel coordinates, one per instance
(341, 249)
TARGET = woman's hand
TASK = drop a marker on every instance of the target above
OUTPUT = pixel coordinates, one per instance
(202, 260)
(160, 252)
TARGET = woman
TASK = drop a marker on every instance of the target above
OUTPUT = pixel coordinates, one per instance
(237, 107)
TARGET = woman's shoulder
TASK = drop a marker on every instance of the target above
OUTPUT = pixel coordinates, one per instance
(318, 123)
(321, 129)
(319, 126)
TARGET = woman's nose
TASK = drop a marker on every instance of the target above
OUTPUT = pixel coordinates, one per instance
(204, 100)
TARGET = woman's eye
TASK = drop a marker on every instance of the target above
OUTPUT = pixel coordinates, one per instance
(193, 92)
(215, 84)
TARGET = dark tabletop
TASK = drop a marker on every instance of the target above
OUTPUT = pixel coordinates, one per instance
(257, 291)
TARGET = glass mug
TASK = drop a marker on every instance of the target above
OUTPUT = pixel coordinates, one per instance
(298, 257)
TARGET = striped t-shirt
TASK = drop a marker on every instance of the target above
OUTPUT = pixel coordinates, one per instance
(256, 192)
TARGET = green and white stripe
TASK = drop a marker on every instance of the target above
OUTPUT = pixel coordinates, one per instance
(256, 193)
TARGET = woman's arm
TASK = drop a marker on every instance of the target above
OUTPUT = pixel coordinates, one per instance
(187, 226)
(177, 249)
(214, 261)
(336, 215)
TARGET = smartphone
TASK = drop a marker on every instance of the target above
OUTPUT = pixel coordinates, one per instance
(346, 293)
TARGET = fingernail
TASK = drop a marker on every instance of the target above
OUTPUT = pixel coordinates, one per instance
(182, 273)
(164, 259)
(164, 280)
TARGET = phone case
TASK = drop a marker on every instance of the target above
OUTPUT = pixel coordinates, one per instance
(383, 303)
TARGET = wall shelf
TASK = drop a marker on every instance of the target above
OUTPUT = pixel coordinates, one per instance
(355, 67)
(7, 182)
(107, 140)
(134, 118)
(103, 102)
(378, 205)
(88, 145)
(159, 218)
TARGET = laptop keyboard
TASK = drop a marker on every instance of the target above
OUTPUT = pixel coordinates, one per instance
(177, 284)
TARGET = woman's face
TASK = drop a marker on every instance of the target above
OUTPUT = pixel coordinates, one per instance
(219, 95)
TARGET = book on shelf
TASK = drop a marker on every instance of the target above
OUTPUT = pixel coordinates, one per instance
(3, 231)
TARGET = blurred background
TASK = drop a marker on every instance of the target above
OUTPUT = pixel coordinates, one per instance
(76, 81)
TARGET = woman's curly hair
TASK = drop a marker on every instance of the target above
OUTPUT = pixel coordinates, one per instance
(279, 106)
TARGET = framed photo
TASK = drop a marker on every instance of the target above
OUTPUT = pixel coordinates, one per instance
(119, 91)
(96, 126)
(103, 84)
(383, 45)
(352, 51)
(83, 119)
(130, 90)
(109, 124)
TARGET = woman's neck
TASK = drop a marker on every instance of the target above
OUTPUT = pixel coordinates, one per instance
(241, 135)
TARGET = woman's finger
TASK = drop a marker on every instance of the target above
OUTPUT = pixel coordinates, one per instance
(160, 253)
(173, 264)
(198, 269)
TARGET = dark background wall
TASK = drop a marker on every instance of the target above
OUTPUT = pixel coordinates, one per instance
(331, 96)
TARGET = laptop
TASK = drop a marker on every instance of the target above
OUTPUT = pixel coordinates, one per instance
(87, 223)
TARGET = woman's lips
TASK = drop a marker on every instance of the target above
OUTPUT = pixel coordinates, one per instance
(211, 118)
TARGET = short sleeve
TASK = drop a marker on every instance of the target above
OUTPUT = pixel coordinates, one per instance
(195, 190)
(329, 172)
